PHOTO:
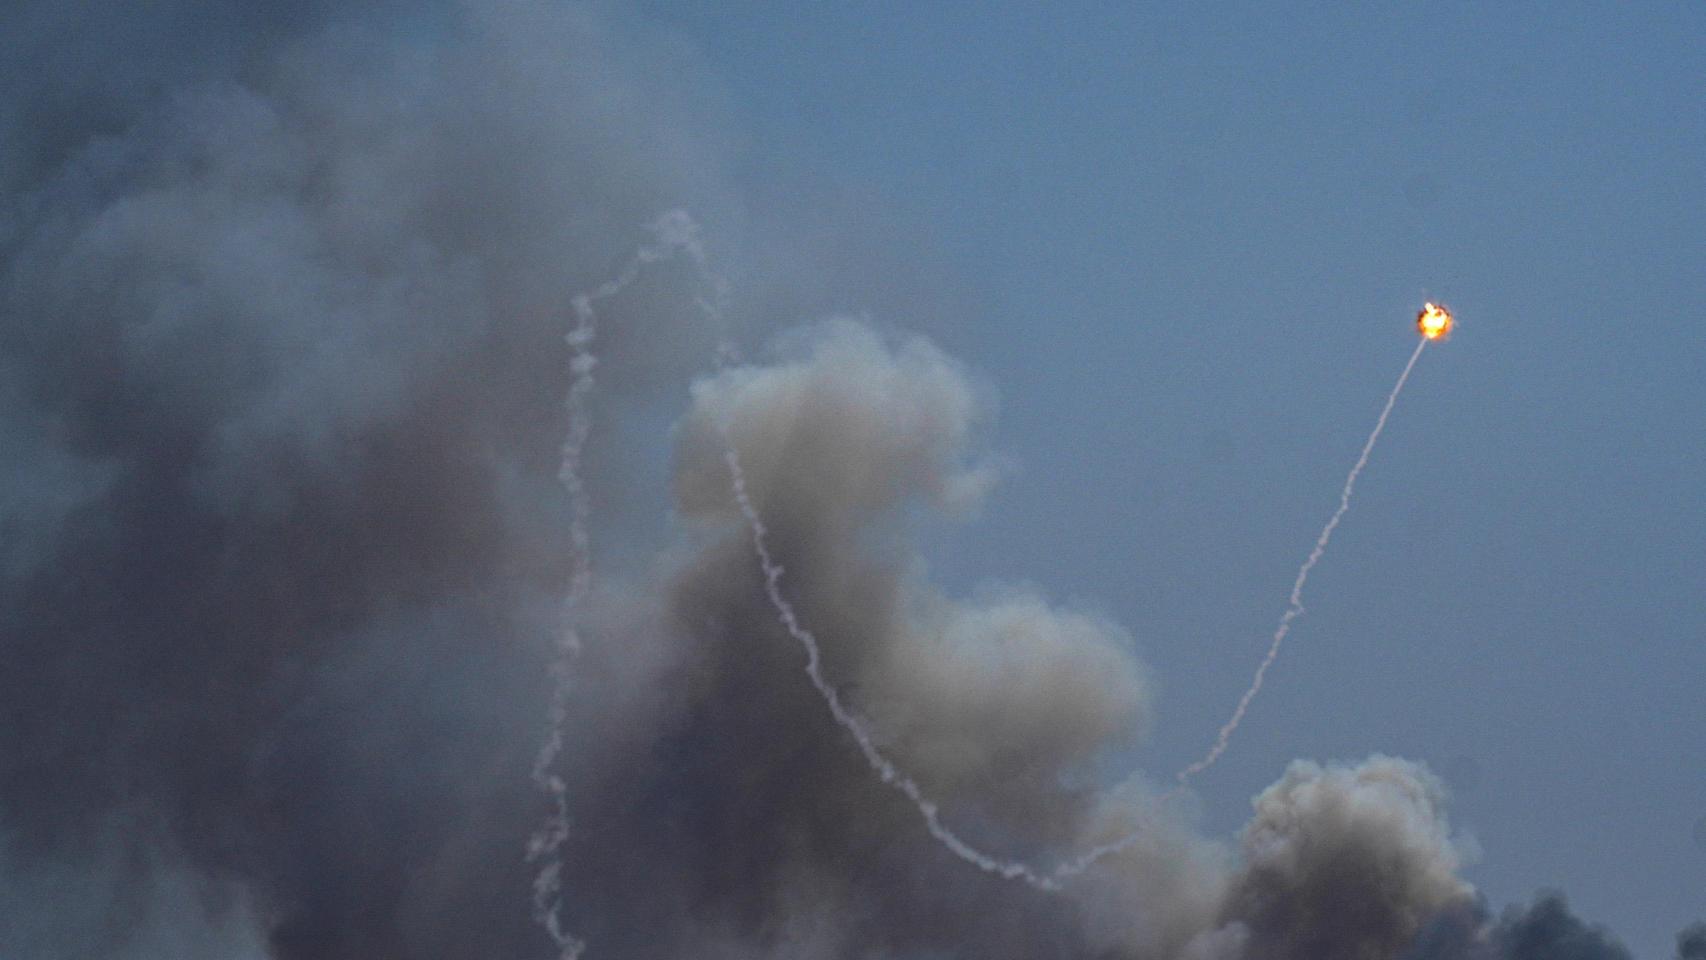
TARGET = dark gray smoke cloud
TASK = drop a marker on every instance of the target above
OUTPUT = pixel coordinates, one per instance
(282, 296)
(1691, 943)
(281, 301)
(1543, 930)
(1547, 930)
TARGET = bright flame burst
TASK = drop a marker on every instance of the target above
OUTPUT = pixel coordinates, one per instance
(1434, 322)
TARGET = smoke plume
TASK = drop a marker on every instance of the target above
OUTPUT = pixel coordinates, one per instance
(284, 291)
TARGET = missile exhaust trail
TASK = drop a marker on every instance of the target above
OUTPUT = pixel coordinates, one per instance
(1294, 608)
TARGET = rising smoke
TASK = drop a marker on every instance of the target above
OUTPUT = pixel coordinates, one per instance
(283, 553)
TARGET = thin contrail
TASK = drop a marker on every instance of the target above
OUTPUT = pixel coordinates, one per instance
(1295, 608)
(674, 232)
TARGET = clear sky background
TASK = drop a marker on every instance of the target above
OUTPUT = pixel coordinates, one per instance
(1185, 247)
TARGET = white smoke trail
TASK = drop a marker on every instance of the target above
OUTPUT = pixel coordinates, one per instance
(882, 765)
(1295, 608)
(1089, 858)
(1085, 860)
(673, 232)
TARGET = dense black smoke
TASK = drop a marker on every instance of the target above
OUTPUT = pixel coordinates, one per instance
(282, 550)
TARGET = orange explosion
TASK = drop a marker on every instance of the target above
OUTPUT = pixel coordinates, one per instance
(1434, 322)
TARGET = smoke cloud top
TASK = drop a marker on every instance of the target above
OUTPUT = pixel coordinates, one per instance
(282, 553)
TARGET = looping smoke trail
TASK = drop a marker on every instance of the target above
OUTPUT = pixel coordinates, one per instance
(674, 232)
(1295, 608)
(883, 766)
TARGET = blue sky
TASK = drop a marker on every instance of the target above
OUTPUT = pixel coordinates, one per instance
(1184, 246)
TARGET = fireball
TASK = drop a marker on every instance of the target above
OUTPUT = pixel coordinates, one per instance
(1434, 322)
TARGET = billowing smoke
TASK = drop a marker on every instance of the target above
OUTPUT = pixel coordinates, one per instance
(1345, 863)
(283, 553)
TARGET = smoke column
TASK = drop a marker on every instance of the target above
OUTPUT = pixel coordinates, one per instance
(674, 231)
(1295, 608)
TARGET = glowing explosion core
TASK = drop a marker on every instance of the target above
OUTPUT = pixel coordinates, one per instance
(1434, 322)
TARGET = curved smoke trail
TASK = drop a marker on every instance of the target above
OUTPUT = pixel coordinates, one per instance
(727, 354)
(1295, 608)
(886, 769)
(673, 232)
(882, 765)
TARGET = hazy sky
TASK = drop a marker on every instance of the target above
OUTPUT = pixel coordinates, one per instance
(1184, 247)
